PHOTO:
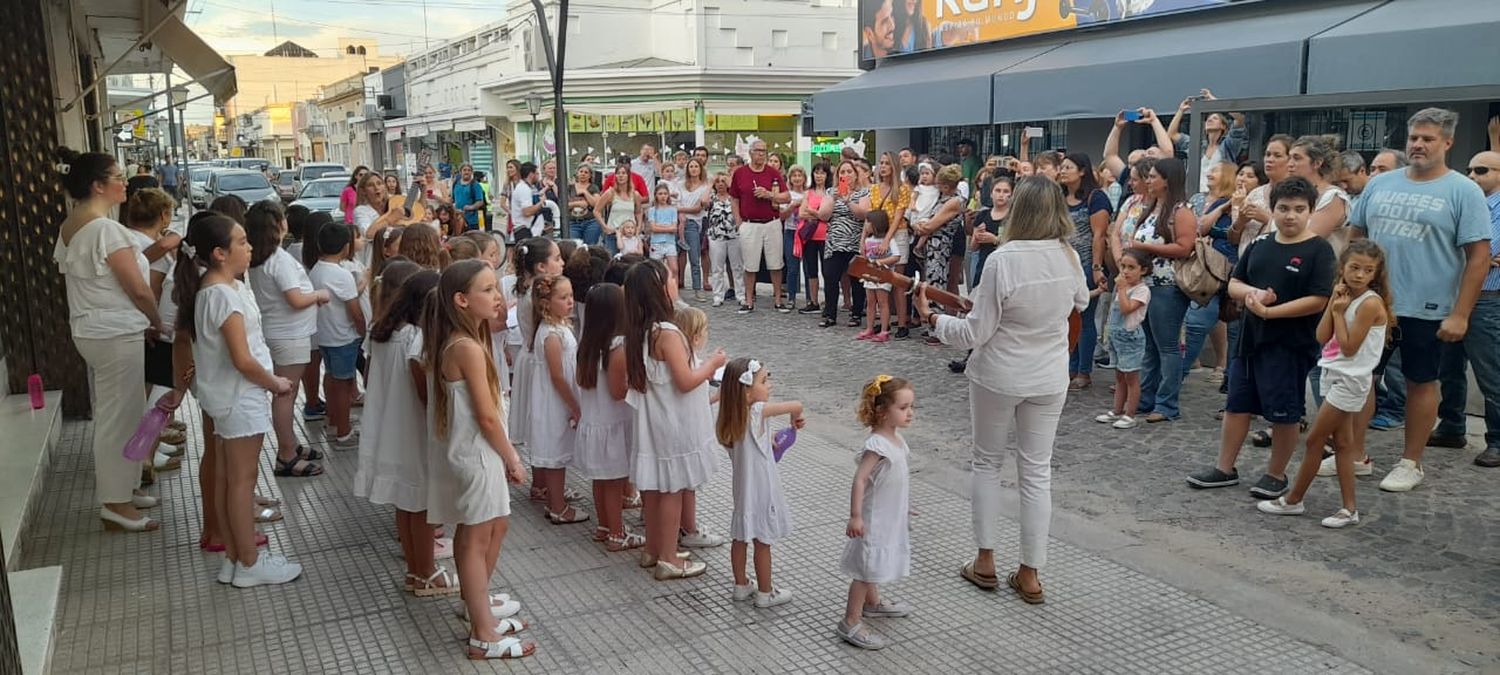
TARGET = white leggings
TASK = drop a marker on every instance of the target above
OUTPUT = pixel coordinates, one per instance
(117, 368)
(725, 256)
(1035, 422)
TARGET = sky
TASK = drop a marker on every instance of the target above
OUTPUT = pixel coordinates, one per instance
(399, 26)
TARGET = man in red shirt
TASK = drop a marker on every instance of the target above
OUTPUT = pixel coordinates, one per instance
(635, 179)
(756, 189)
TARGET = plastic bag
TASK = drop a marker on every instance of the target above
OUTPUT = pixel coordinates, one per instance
(783, 441)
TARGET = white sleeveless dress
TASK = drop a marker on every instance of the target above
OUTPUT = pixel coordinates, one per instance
(672, 435)
(392, 464)
(465, 476)
(760, 510)
(884, 554)
(520, 390)
(602, 450)
(551, 438)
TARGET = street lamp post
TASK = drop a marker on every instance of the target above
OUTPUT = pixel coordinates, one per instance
(534, 106)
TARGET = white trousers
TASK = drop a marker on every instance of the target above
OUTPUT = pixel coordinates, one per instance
(117, 367)
(725, 256)
(1034, 420)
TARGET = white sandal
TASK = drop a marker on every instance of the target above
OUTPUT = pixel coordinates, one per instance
(624, 542)
(504, 648)
(429, 588)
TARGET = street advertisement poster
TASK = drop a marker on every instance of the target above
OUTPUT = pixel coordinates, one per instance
(896, 27)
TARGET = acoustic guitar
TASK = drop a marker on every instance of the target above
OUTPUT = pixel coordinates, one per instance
(417, 212)
(866, 270)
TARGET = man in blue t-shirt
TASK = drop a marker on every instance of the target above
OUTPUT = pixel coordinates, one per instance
(468, 197)
(1434, 226)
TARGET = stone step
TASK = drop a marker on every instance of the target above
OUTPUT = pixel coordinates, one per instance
(29, 437)
(34, 599)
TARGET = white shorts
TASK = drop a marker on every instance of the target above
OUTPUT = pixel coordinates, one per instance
(903, 237)
(250, 416)
(293, 352)
(1345, 392)
(756, 238)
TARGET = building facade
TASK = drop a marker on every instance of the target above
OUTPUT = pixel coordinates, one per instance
(675, 74)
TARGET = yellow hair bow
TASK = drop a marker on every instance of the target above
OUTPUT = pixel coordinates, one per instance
(874, 387)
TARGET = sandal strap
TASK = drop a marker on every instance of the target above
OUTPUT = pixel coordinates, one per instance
(442, 573)
(510, 626)
(505, 647)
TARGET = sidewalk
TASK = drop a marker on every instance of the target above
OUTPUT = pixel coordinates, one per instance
(147, 603)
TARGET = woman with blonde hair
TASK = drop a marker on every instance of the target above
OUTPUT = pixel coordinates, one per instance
(1018, 373)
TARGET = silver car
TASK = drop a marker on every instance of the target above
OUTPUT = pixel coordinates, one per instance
(198, 183)
(323, 194)
(248, 185)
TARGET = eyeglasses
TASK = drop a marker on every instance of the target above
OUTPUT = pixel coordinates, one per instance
(1479, 170)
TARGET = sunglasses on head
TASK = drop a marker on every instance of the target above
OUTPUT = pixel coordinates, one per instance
(1479, 170)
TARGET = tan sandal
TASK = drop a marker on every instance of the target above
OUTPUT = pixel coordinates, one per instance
(1029, 597)
(988, 583)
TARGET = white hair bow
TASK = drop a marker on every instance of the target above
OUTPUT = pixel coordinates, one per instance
(190, 250)
(63, 168)
(747, 378)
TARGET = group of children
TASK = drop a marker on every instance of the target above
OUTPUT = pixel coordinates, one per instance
(608, 380)
(1305, 307)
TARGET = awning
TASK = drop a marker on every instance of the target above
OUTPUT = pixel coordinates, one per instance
(930, 91)
(1253, 51)
(1409, 44)
(183, 47)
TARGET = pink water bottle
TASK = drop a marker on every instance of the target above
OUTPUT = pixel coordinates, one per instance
(34, 387)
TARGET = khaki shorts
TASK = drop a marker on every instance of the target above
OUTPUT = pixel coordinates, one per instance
(294, 352)
(758, 238)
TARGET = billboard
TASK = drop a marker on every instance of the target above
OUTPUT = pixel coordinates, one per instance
(896, 27)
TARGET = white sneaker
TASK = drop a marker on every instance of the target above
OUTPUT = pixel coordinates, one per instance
(1403, 478)
(1107, 416)
(777, 596)
(744, 593)
(1328, 468)
(226, 572)
(718, 302)
(1279, 507)
(269, 568)
(1125, 422)
(1341, 519)
(349, 441)
(701, 539)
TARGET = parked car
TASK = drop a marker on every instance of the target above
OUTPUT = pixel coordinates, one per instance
(253, 163)
(315, 170)
(248, 185)
(198, 184)
(322, 194)
(286, 186)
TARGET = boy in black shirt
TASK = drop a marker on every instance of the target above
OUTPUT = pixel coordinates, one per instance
(1285, 280)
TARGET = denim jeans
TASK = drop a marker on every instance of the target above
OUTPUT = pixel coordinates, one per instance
(608, 241)
(1390, 391)
(1481, 349)
(1081, 359)
(587, 230)
(1162, 381)
(793, 270)
(1199, 323)
(692, 232)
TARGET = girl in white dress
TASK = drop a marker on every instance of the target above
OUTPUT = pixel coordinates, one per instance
(760, 511)
(233, 382)
(534, 258)
(553, 398)
(602, 451)
(879, 547)
(672, 436)
(392, 457)
(469, 457)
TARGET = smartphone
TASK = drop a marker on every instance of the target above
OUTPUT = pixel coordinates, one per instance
(1130, 115)
(843, 186)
